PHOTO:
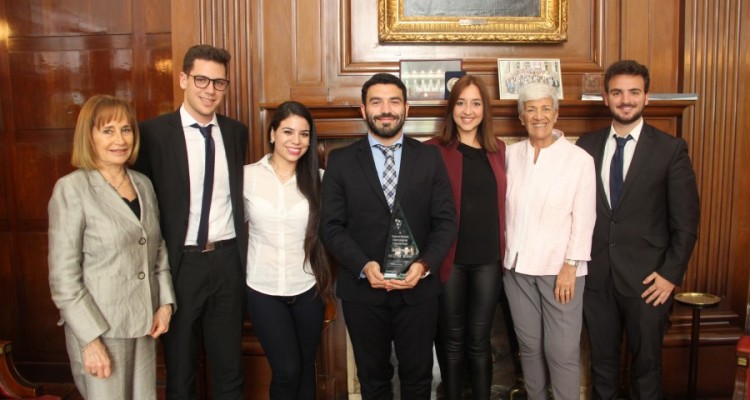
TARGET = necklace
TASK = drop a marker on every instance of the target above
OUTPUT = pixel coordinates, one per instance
(117, 188)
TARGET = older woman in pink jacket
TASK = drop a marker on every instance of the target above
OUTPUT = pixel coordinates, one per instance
(550, 215)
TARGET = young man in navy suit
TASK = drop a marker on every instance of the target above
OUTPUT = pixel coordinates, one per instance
(362, 184)
(195, 159)
(646, 228)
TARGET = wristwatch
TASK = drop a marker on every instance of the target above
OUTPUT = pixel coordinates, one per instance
(572, 263)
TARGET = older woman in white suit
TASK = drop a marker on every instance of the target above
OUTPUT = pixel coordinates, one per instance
(550, 216)
(108, 269)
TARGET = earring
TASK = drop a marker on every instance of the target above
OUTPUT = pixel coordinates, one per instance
(271, 141)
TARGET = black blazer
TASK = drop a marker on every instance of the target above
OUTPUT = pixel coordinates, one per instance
(163, 158)
(355, 217)
(655, 224)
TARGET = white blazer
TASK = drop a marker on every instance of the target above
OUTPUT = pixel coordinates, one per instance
(108, 271)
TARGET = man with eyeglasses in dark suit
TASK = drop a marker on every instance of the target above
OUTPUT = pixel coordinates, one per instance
(195, 159)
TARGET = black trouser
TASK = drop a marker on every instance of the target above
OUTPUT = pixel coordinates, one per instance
(467, 310)
(607, 313)
(409, 328)
(209, 303)
(289, 329)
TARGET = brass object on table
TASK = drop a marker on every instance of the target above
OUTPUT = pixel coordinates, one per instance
(696, 299)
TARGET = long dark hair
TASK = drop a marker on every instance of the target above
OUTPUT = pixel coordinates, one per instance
(485, 135)
(308, 183)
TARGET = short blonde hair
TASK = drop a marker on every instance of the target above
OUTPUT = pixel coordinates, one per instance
(97, 112)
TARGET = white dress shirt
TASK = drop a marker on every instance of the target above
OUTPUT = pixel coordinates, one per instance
(277, 214)
(220, 223)
(609, 151)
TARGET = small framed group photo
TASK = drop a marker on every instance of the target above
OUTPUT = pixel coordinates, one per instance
(512, 74)
(426, 79)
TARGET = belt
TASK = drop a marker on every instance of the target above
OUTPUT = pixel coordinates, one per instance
(210, 246)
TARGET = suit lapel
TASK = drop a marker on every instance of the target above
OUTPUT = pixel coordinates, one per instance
(176, 141)
(643, 150)
(367, 164)
(601, 140)
(109, 197)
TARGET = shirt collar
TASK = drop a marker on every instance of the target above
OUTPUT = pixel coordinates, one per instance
(373, 142)
(188, 119)
(635, 133)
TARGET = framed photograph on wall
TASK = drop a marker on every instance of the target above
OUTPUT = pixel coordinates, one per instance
(513, 73)
(447, 21)
(425, 79)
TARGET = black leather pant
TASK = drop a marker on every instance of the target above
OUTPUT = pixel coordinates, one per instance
(467, 309)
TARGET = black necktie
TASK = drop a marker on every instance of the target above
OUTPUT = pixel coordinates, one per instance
(208, 185)
(615, 170)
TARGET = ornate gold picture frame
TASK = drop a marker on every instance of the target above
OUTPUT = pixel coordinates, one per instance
(489, 21)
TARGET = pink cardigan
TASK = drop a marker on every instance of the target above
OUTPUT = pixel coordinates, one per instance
(551, 207)
(453, 160)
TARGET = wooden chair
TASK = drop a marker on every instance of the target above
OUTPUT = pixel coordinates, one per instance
(12, 384)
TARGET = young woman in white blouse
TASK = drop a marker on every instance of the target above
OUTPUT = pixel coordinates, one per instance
(288, 273)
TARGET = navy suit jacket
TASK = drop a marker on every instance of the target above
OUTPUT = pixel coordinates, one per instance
(163, 158)
(655, 224)
(355, 217)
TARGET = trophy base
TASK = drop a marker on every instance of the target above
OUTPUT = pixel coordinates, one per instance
(394, 275)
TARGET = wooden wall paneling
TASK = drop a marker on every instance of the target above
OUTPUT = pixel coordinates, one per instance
(651, 35)
(6, 123)
(8, 307)
(38, 166)
(157, 97)
(187, 30)
(309, 62)
(738, 235)
(33, 18)
(56, 77)
(152, 58)
(276, 36)
(712, 50)
(710, 128)
(8, 299)
(43, 342)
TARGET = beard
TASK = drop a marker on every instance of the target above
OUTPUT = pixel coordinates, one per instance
(626, 121)
(385, 131)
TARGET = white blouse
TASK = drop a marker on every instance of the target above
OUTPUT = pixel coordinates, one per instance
(277, 214)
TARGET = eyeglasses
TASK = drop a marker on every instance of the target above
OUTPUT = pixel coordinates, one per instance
(201, 82)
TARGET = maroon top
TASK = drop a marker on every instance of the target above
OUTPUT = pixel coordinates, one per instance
(453, 160)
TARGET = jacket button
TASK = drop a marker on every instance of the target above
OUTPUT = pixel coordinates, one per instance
(141, 275)
(142, 241)
(613, 244)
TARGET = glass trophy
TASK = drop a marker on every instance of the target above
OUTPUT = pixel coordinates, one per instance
(401, 249)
